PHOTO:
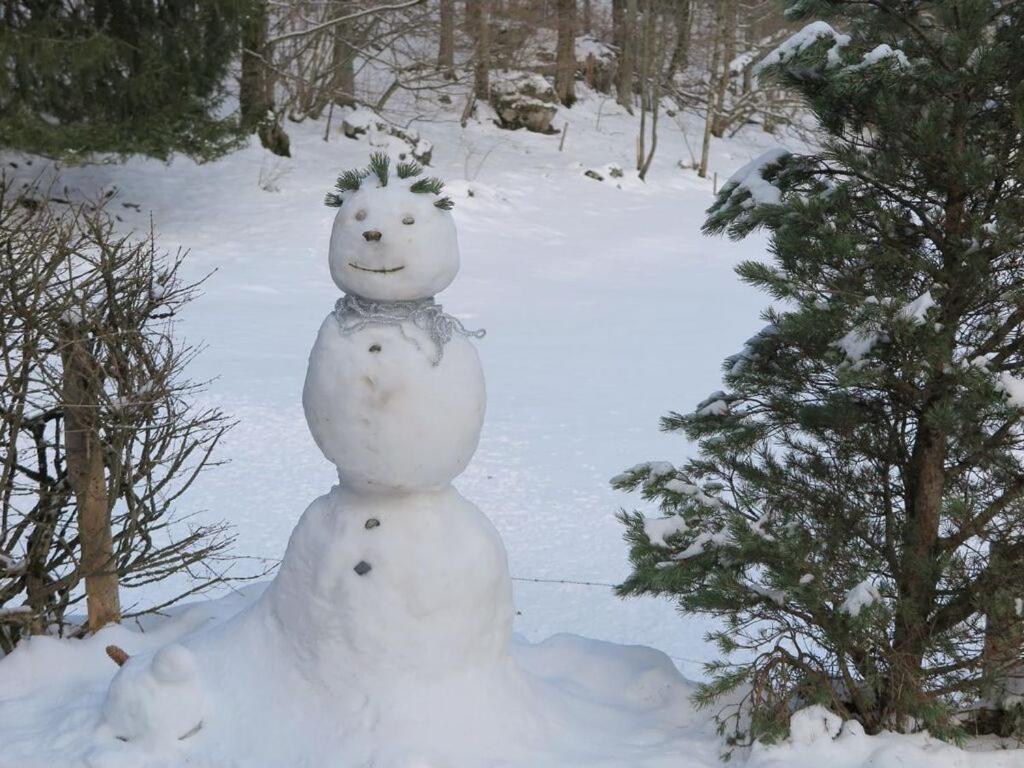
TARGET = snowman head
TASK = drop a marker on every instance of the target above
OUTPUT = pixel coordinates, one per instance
(394, 237)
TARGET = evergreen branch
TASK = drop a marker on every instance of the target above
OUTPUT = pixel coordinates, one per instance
(430, 184)
(408, 170)
(380, 165)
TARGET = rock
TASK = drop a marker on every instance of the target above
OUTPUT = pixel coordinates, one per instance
(373, 522)
(401, 143)
(611, 171)
(523, 100)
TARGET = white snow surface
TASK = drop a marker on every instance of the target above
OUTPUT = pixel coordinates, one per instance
(605, 309)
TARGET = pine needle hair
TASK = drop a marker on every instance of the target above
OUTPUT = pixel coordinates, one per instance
(380, 168)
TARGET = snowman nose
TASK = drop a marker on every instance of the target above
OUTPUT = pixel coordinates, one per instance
(371, 235)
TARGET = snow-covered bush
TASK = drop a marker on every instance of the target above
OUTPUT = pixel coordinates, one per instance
(855, 514)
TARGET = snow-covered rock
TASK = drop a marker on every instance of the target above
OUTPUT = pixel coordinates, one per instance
(523, 100)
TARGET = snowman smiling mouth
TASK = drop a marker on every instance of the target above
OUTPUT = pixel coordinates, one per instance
(382, 271)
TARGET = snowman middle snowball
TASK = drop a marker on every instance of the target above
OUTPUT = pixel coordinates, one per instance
(390, 409)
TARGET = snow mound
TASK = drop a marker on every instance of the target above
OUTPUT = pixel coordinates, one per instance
(567, 701)
(819, 738)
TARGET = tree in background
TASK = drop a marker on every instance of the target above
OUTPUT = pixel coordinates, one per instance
(98, 437)
(855, 514)
(565, 53)
(123, 76)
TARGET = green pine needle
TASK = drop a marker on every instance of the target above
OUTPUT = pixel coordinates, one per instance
(408, 170)
(430, 184)
(380, 165)
(333, 200)
(350, 181)
(445, 203)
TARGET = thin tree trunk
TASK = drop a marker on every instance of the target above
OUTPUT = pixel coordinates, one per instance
(565, 54)
(709, 118)
(728, 32)
(655, 46)
(343, 78)
(681, 50)
(253, 91)
(256, 88)
(482, 52)
(471, 17)
(588, 17)
(446, 44)
(625, 12)
(86, 475)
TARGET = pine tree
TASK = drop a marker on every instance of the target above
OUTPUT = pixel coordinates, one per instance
(863, 460)
(122, 76)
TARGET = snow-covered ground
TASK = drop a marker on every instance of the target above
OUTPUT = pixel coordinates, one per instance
(605, 308)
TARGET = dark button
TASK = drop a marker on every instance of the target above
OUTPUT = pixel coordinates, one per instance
(375, 348)
(362, 568)
(373, 522)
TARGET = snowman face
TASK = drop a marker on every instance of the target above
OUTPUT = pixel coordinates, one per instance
(390, 244)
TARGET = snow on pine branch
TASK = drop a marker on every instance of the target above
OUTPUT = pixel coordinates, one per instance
(916, 310)
(750, 179)
(1012, 387)
(801, 41)
(860, 597)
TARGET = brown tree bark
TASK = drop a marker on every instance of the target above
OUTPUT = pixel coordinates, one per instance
(446, 42)
(82, 384)
(729, 10)
(482, 50)
(624, 39)
(917, 575)
(709, 119)
(256, 87)
(681, 49)
(565, 53)
(343, 78)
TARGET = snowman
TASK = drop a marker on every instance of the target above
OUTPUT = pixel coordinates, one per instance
(394, 589)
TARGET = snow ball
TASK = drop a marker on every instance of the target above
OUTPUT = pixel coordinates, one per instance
(174, 664)
(853, 729)
(860, 597)
(806, 579)
(813, 725)
(391, 244)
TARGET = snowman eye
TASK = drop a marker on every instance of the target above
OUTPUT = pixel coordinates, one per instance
(360, 215)
(408, 220)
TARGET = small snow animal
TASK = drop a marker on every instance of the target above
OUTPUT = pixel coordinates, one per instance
(154, 701)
